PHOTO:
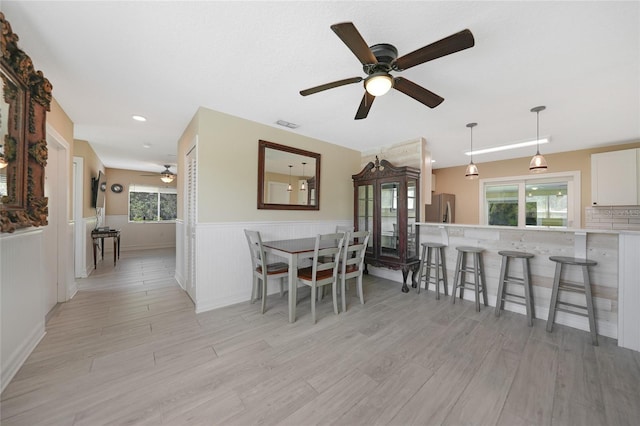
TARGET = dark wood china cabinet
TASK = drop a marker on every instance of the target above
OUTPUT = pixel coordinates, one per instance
(386, 200)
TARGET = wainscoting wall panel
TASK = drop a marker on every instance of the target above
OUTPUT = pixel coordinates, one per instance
(180, 254)
(89, 224)
(21, 299)
(223, 265)
(141, 236)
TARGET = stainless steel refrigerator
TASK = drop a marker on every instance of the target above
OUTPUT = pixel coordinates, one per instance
(442, 208)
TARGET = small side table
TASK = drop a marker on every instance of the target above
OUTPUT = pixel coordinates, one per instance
(101, 235)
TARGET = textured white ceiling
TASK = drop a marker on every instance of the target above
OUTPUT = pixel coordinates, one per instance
(163, 60)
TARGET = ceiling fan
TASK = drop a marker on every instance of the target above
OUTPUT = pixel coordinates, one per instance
(166, 175)
(380, 59)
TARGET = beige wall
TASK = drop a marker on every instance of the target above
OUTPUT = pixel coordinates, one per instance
(228, 170)
(119, 203)
(92, 165)
(451, 180)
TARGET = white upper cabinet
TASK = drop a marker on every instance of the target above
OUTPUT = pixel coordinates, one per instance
(615, 178)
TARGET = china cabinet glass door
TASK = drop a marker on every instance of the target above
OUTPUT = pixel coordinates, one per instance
(365, 211)
(389, 222)
(412, 212)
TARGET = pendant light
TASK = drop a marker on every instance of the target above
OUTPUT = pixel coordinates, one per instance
(289, 187)
(303, 187)
(538, 164)
(472, 169)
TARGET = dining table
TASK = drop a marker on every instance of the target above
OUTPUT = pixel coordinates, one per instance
(293, 250)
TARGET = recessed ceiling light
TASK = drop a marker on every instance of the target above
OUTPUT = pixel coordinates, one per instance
(505, 147)
(138, 118)
(146, 145)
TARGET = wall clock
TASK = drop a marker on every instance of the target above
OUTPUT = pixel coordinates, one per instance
(117, 188)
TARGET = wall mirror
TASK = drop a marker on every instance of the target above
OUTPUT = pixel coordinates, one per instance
(26, 98)
(12, 142)
(288, 178)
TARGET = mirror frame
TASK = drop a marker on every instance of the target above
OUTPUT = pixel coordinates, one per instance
(30, 208)
(262, 146)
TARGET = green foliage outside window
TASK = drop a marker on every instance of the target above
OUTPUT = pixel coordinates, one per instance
(152, 206)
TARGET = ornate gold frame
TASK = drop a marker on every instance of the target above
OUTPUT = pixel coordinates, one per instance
(30, 208)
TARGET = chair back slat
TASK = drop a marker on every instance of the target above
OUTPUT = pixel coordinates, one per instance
(255, 247)
(354, 251)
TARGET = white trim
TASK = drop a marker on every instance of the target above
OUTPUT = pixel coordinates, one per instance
(64, 249)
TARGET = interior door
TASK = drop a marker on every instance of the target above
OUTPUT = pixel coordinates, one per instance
(191, 219)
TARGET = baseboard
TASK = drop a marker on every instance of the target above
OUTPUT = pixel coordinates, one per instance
(220, 303)
(182, 282)
(20, 355)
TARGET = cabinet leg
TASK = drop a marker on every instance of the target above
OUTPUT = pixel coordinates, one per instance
(414, 275)
(405, 275)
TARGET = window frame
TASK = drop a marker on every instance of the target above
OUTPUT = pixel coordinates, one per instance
(153, 190)
(574, 206)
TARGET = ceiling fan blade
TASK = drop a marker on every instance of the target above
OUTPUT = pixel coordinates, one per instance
(365, 106)
(418, 93)
(454, 43)
(349, 34)
(327, 86)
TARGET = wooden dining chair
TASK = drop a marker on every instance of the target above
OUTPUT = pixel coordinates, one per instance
(319, 274)
(352, 263)
(262, 271)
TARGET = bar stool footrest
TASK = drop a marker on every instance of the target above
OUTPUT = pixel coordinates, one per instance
(569, 311)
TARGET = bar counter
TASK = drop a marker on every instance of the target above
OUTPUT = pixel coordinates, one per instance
(615, 280)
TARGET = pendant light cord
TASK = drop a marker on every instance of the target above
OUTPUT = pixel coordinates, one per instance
(537, 132)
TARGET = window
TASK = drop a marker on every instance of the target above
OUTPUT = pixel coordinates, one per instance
(522, 201)
(152, 204)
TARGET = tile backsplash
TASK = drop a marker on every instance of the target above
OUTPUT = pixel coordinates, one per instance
(613, 217)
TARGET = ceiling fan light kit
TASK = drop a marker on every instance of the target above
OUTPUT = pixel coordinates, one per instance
(380, 59)
(378, 84)
(166, 176)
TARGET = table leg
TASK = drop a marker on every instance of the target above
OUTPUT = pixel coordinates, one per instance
(95, 260)
(102, 248)
(293, 286)
(118, 246)
(115, 243)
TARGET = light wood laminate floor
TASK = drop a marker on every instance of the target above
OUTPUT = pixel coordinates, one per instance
(129, 349)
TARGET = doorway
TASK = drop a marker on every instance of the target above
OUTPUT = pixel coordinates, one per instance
(58, 285)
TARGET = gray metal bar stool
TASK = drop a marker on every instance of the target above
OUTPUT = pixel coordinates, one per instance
(585, 289)
(477, 269)
(525, 281)
(439, 265)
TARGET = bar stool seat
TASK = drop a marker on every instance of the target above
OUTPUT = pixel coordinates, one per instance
(504, 295)
(439, 265)
(477, 269)
(585, 288)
